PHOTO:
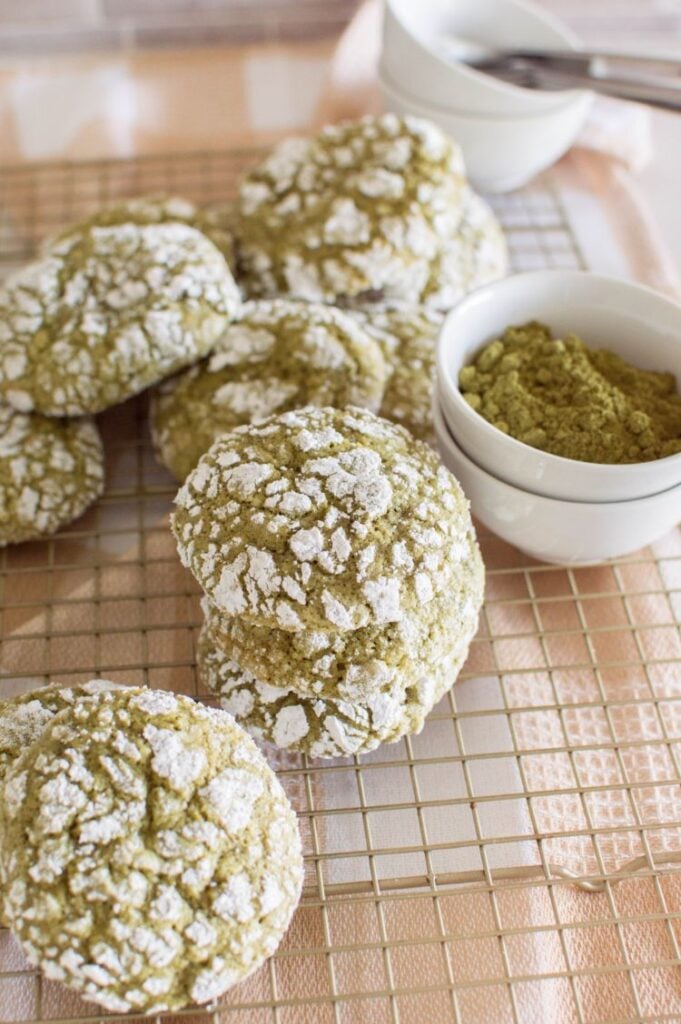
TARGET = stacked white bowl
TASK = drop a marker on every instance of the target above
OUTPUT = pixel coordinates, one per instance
(508, 134)
(557, 509)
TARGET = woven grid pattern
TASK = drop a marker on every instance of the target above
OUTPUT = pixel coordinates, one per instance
(439, 870)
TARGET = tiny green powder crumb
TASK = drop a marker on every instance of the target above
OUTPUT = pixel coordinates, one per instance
(567, 399)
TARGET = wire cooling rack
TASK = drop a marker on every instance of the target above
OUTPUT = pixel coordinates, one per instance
(517, 861)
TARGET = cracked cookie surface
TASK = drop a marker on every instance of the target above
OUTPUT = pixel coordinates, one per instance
(158, 209)
(108, 311)
(50, 472)
(358, 710)
(150, 856)
(23, 719)
(407, 336)
(321, 518)
(362, 208)
(358, 664)
(278, 355)
(474, 255)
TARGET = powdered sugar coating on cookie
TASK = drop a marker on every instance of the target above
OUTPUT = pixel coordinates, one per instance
(363, 207)
(23, 719)
(278, 355)
(50, 471)
(360, 709)
(158, 209)
(150, 855)
(408, 337)
(476, 254)
(109, 311)
(321, 518)
(357, 664)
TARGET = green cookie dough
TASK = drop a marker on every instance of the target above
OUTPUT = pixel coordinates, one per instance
(321, 519)
(50, 471)
(476, 254)
(362, 711)
(407, 336)
(354, 665)
(279, 355)
(150, 856)
(158, 210)
(109, 311)
(362, 208)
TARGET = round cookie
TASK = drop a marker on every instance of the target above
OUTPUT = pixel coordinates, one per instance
(50, 472)
(408, 337)
(475, 255)
(321, 519)
(151, 857)
(109, 311)
(355, 664)
(158, 210)
(279, 355)
(363, 208)
(358, 718)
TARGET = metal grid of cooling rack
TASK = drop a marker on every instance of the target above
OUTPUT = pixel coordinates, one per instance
(517, 860)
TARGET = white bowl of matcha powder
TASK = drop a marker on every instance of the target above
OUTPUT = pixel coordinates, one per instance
(566, 384)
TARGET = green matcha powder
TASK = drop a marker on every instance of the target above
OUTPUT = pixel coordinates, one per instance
(569, 400)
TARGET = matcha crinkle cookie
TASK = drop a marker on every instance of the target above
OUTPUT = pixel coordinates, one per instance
(159, 209)
(278, 355)
(362, 208)
(50, 472)
(356, 664)
(150, 856)
(321, 518)
(333, 694)
(107, 311)
(359, 717)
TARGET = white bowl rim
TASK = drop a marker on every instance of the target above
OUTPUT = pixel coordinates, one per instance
(576, 97)
(442, 427)
(570, 38)
(445, 381)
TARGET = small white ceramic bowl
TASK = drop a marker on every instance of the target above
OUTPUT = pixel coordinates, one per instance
(415, 56)
(637, 323)
(562, 532)
(501, 153)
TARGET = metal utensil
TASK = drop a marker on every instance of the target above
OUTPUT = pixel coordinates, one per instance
(637, 77)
